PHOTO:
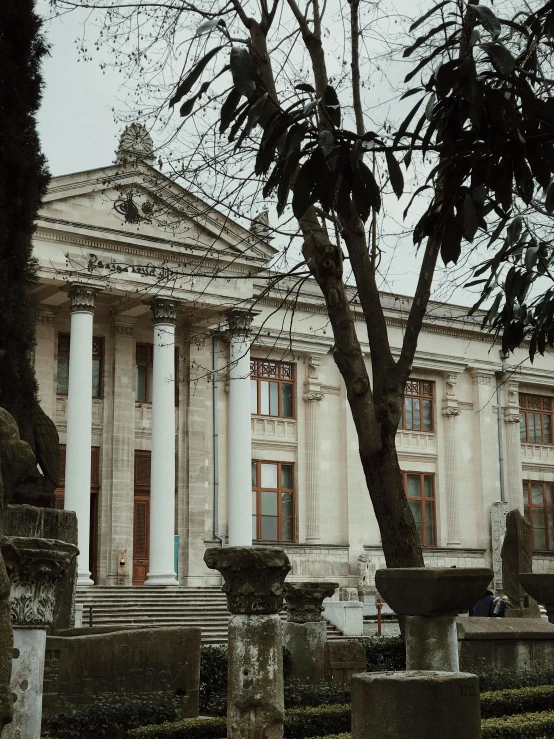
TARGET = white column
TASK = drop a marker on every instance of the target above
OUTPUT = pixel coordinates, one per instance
(239, 466)
(79, 421)
(312, 395)
(450, 413)
(512, 448)
(162, 481)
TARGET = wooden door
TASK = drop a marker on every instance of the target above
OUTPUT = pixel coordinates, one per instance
(141, 518)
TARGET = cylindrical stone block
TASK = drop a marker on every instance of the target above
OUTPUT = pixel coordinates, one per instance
(432, 643)
(306, 643)
(255, 699)
(415, 705)
(29, 647)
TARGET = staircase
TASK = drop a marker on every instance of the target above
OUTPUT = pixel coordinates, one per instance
(163, 606)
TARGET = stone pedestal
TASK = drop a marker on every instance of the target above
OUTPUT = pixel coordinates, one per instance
(431, 598)
(254, 584)
(540, 586)
(305, 632)
(34, 567)
(415, 705)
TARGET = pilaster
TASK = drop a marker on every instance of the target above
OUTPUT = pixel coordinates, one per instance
(450, 413)
(512, 457)
(312, 396)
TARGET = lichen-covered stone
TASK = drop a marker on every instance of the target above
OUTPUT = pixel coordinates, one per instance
(305, 600)
(254, 577)
(306, 644)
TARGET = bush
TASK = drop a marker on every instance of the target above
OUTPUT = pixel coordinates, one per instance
(521, 700)
(299, 723)
(111, 715)
(524, 726)
(213, 680)
(298, 695)
(385, 653)
(506, 679)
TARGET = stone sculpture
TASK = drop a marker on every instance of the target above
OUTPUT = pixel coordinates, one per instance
(516, 558)
(364, 571)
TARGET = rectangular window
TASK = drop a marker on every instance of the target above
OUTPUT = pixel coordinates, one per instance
(62, 379)
(536, 419)
(272, 501)
(271, 388)
(144, 370)
(418, 411)
(538, 498)
(420, 491)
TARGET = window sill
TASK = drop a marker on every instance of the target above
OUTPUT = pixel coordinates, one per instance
(273, 418)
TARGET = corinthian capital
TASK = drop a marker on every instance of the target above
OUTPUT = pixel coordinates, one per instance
(239, 322)
(164, 310)
(82, 298)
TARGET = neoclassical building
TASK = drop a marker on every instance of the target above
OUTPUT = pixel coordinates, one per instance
(196, 403)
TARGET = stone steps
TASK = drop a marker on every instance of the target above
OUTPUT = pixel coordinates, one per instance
(163, 606)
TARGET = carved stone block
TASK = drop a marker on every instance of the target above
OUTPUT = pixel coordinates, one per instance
(305, 600)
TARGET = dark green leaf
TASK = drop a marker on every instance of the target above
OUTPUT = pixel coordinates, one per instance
(326, 141)
(395, 174)
(428, 14)
(241, 117)
(502, 59)
(406, 122)
(306, 182)
(371, 188)
(422, 39)
(531, 256)
(186, 85)
(243, 70)
(229, 109)
(470, 218)
(431, 56)
(549, 201)
(187, 107)
(513, 232)
(305, 87)
(488, 19)
(331, 106)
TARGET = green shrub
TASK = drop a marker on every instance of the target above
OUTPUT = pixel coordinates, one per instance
(520, 700)
(111, 715)
(299, 723)
(213, 680)
(524, 726)
(384, 653)
(506, 679)
(298, 695)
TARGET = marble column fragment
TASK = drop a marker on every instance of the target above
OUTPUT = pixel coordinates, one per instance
(254, 584)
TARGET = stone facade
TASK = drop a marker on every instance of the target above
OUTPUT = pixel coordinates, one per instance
(177, 252)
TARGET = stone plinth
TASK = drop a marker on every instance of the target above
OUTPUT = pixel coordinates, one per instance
(430, 598)
(343, 659)
(305, 631)
(254, 580)
(540, 586)
(34, 567)
(415, 705)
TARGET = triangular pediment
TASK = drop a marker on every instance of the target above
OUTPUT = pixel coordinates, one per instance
(138, 204)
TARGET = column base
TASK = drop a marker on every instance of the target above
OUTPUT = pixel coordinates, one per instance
(83, 579)
(161, 578)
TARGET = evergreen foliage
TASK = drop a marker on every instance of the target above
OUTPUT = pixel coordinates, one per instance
(23, 181)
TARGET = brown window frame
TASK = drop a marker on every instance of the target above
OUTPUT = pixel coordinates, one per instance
(415, 389)
(285, 374)
(97, 343)
(530, 507)
(544, 409)
(149, 362)
(422, 498)
(258, 488)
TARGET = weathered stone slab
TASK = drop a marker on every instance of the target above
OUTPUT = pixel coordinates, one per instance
(517, 557)
(306, 643)
(343, 658)
(415, 705)
(77, 668)
(499, 643)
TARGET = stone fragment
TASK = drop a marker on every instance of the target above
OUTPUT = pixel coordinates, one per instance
(517, 557)
(415, 705)
(305, 600)
(540, 587)
(343, 658)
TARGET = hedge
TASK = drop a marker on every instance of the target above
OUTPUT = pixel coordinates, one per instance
(524, 726)
(518, 701)
(299, 723)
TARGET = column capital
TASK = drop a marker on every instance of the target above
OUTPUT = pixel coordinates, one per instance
(511, 417)
(82, 297)
(45, 316)
(164, 310)
(123, 325)
(451, 412)
(305, 600)
(312, 395)
(239, 322)
(481, 377)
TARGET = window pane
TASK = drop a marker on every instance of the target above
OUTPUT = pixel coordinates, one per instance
(522, 428)
(415, 507)
(62, 379)
(427, 415)
(538, 427)
(428, 486)
(536, 494)
(286, 504)
(254, 531)
(540, 538)
(409, 413)
(254, 502)
(254, 474)
(96, 365)
(547, 423)
(429, 512)
(429, 535)
(269, 475)
(538, 518)
(269, 504)
(269, 528)
(549, 493)
(526, 514)
(253, 396)
(140, 383)
(286, 529)
(264, 398)
(414, 486)
(550, 527)
(273, 398)
(416, 421)
(286, 399)
(286, 476)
